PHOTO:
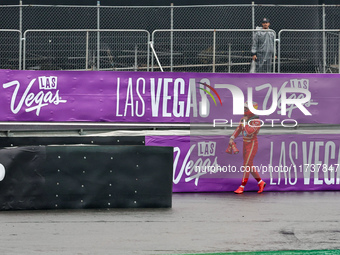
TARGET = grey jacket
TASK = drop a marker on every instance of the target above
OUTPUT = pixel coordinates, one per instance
(263, 42)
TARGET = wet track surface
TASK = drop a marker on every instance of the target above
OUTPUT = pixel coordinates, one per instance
(201, 222)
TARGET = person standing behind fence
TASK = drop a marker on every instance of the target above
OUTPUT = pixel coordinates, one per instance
(263, 48)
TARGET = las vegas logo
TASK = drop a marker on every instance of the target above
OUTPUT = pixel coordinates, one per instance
(48, 94)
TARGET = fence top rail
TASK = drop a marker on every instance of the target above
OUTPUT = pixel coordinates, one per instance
(212, 30)
(10, 30)
(174, 6)
(308, 30)
(85, 30)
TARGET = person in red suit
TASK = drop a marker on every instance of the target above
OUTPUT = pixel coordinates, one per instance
(249, 126)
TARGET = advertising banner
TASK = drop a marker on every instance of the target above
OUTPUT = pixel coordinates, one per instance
(289, 162)
(166, 97)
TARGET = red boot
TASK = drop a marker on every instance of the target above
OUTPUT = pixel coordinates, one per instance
(239, 190)
(261, 186)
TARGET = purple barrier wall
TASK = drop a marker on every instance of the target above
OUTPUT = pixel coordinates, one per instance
(189, 98)
(285, 162)
(162, 97)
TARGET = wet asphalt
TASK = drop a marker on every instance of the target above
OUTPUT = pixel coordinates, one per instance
(196, 223)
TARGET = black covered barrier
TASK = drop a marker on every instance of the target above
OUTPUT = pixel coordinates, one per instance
(71, 177)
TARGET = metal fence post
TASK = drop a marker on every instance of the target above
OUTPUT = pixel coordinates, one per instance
(136, 59)
(149, 47)
(20, 38)
(229, 58)
(279, 53)
(148, 54)
(324, 37)
(214, 50)
(253, 15)
(87, 51)
(172, 38)
(24, 52)
(98, 34)
(274, 60)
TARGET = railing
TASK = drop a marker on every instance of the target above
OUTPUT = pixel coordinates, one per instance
(189, 50)
(90, 49)
(118, 38)
(205, 50)
(313, 50)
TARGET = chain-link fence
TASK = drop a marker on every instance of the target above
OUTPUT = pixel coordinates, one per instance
(10, 53)
(111, 51)
(309, 51)
(25, 17)
(205, 50)
(332, 63)
(86, 50)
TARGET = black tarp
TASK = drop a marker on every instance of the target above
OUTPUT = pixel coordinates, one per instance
(73, 177)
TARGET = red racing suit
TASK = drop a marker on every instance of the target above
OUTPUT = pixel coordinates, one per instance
(250, 146)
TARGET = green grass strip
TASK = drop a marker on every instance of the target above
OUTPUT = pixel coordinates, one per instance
(297, 252)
